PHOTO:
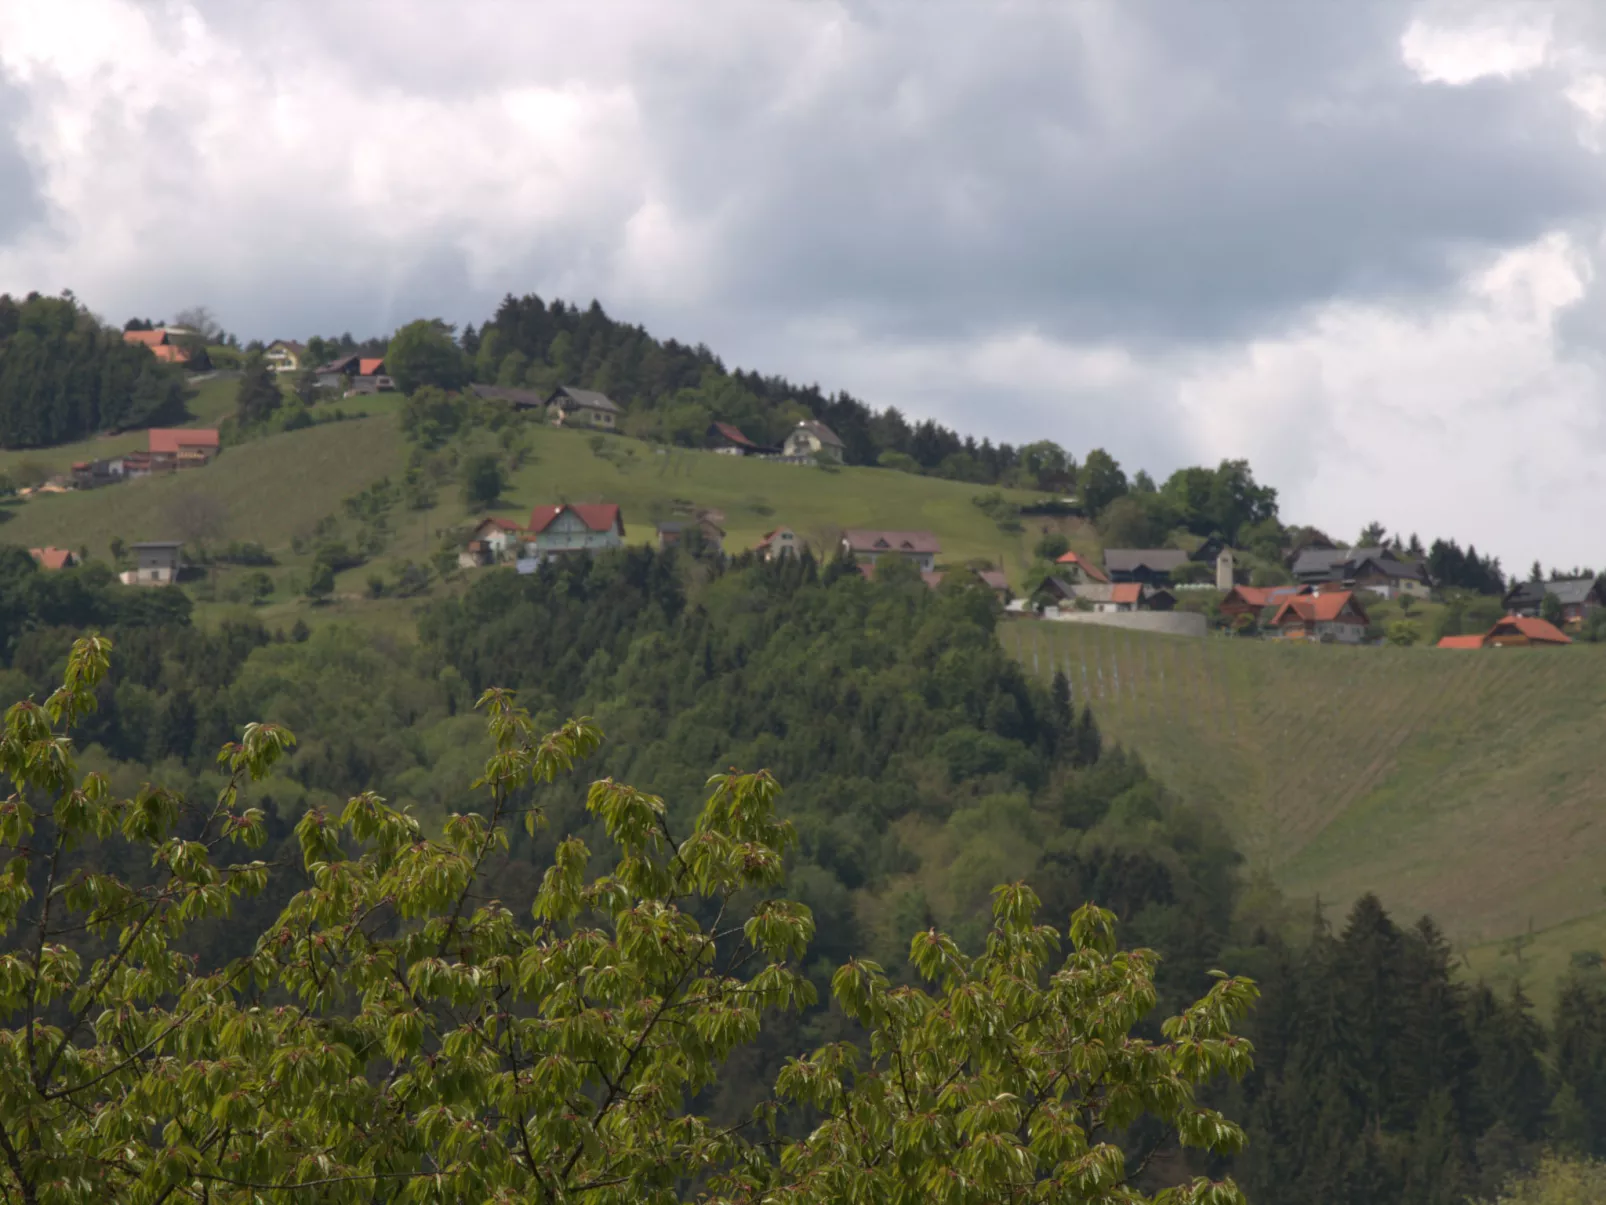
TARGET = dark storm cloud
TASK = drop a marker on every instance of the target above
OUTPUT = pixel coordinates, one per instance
(1186, 171)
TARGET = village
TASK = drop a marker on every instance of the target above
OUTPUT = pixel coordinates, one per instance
(1183, 592)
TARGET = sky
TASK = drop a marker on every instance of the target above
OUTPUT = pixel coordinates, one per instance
(1357, 243)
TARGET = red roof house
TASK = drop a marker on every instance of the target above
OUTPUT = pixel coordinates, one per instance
(1334, 615)
(1519, 631)
(371, 367)
(54, 558)
(1461, 642)
(580, 527)
(1252, 600)
(1076, 565)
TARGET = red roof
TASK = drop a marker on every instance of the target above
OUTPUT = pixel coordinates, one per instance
(734, 434)
(52, 558)
(174, 440)
(148, 338)
(597, 516)
(1461, 642)
(892, 541)
(1127, 592)
(171, 353)
(371, 368)
(503, 524)
(1265, 596)
(1087, 567)
(932, 579)
(1534, 629)
(1319, 608)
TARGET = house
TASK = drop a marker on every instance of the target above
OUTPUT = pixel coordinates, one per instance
(711, 534)
(54, 558)
(1153, 566)
(558, 530)
(519, 399)
(782, 542)
(1124, 596)
(1058, 590)
(1577, 596)
(729, 441)
(157, 563)
(164, 347)
(1376, 569)
(571, 407)
(500, 538)
(474, 555)
(1252, 600)
(1511, 631)
(995, 581)
(1329, 617)
(921, 547)
(136, 464)
(90, 474)
(812, 439)
(181, 447)
(284, 355)
(1079, 571)
(1524, 631)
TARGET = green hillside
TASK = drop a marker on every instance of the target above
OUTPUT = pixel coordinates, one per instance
(1465, 784)
(277, 489)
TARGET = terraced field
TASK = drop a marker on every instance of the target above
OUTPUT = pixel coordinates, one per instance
(1467, 785)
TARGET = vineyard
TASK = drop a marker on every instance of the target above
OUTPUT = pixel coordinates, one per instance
(1464, 784)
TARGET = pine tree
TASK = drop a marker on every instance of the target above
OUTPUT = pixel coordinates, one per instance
(257, 396)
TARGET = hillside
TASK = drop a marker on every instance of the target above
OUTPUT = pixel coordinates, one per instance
(277, 489)
(1464, 785)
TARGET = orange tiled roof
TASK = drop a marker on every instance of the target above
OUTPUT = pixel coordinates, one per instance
(598, 516)
(369, 368)
(52, 558)
(1087, 567)
(1461, 642)
(148, 338)
(1127, 592)
(1534, 629)
(1319, 608)
(173, 440)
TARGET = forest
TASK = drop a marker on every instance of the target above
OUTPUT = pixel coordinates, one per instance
(920, 767)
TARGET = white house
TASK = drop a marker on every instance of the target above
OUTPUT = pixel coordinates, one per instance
(811, 439)
(157, 564)
(558, 530)
(782, 542)
(921, 547)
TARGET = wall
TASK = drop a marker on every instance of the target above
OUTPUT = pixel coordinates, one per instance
(1169, 623)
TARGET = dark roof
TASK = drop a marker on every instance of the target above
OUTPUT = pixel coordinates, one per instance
(343, 364)
(1338, 563)
(569, 398)
(1312, 561)
(1569, 591)
(1158, 560)
(158, 544)
(503, 393)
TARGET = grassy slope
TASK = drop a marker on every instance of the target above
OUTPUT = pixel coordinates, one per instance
(1465, 785)
(274, 489)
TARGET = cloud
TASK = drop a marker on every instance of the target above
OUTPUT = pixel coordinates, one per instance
(1177, 230)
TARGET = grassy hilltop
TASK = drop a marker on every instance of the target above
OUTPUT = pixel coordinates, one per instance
(1462, 784)
(275, 490)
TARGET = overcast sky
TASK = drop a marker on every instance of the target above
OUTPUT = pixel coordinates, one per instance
(1358, 242)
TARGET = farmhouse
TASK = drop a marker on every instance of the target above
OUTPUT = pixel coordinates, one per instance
(1078, 571)
(921, 547)
(499, 539)
(164, 347)
(571, 407)
(519, 399)
(703, 530)
(1577, 596)
(53, 558)
(1118, 597)
(1153, 566)
(559, 530)
(782, 542)
(995, 581)
(157, 563)
(1523, 631)
(1334, 616)
(181, 447)
(1376, 569)
(284, 355)
(1252, 600)
(812, 439)
(728, 440)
